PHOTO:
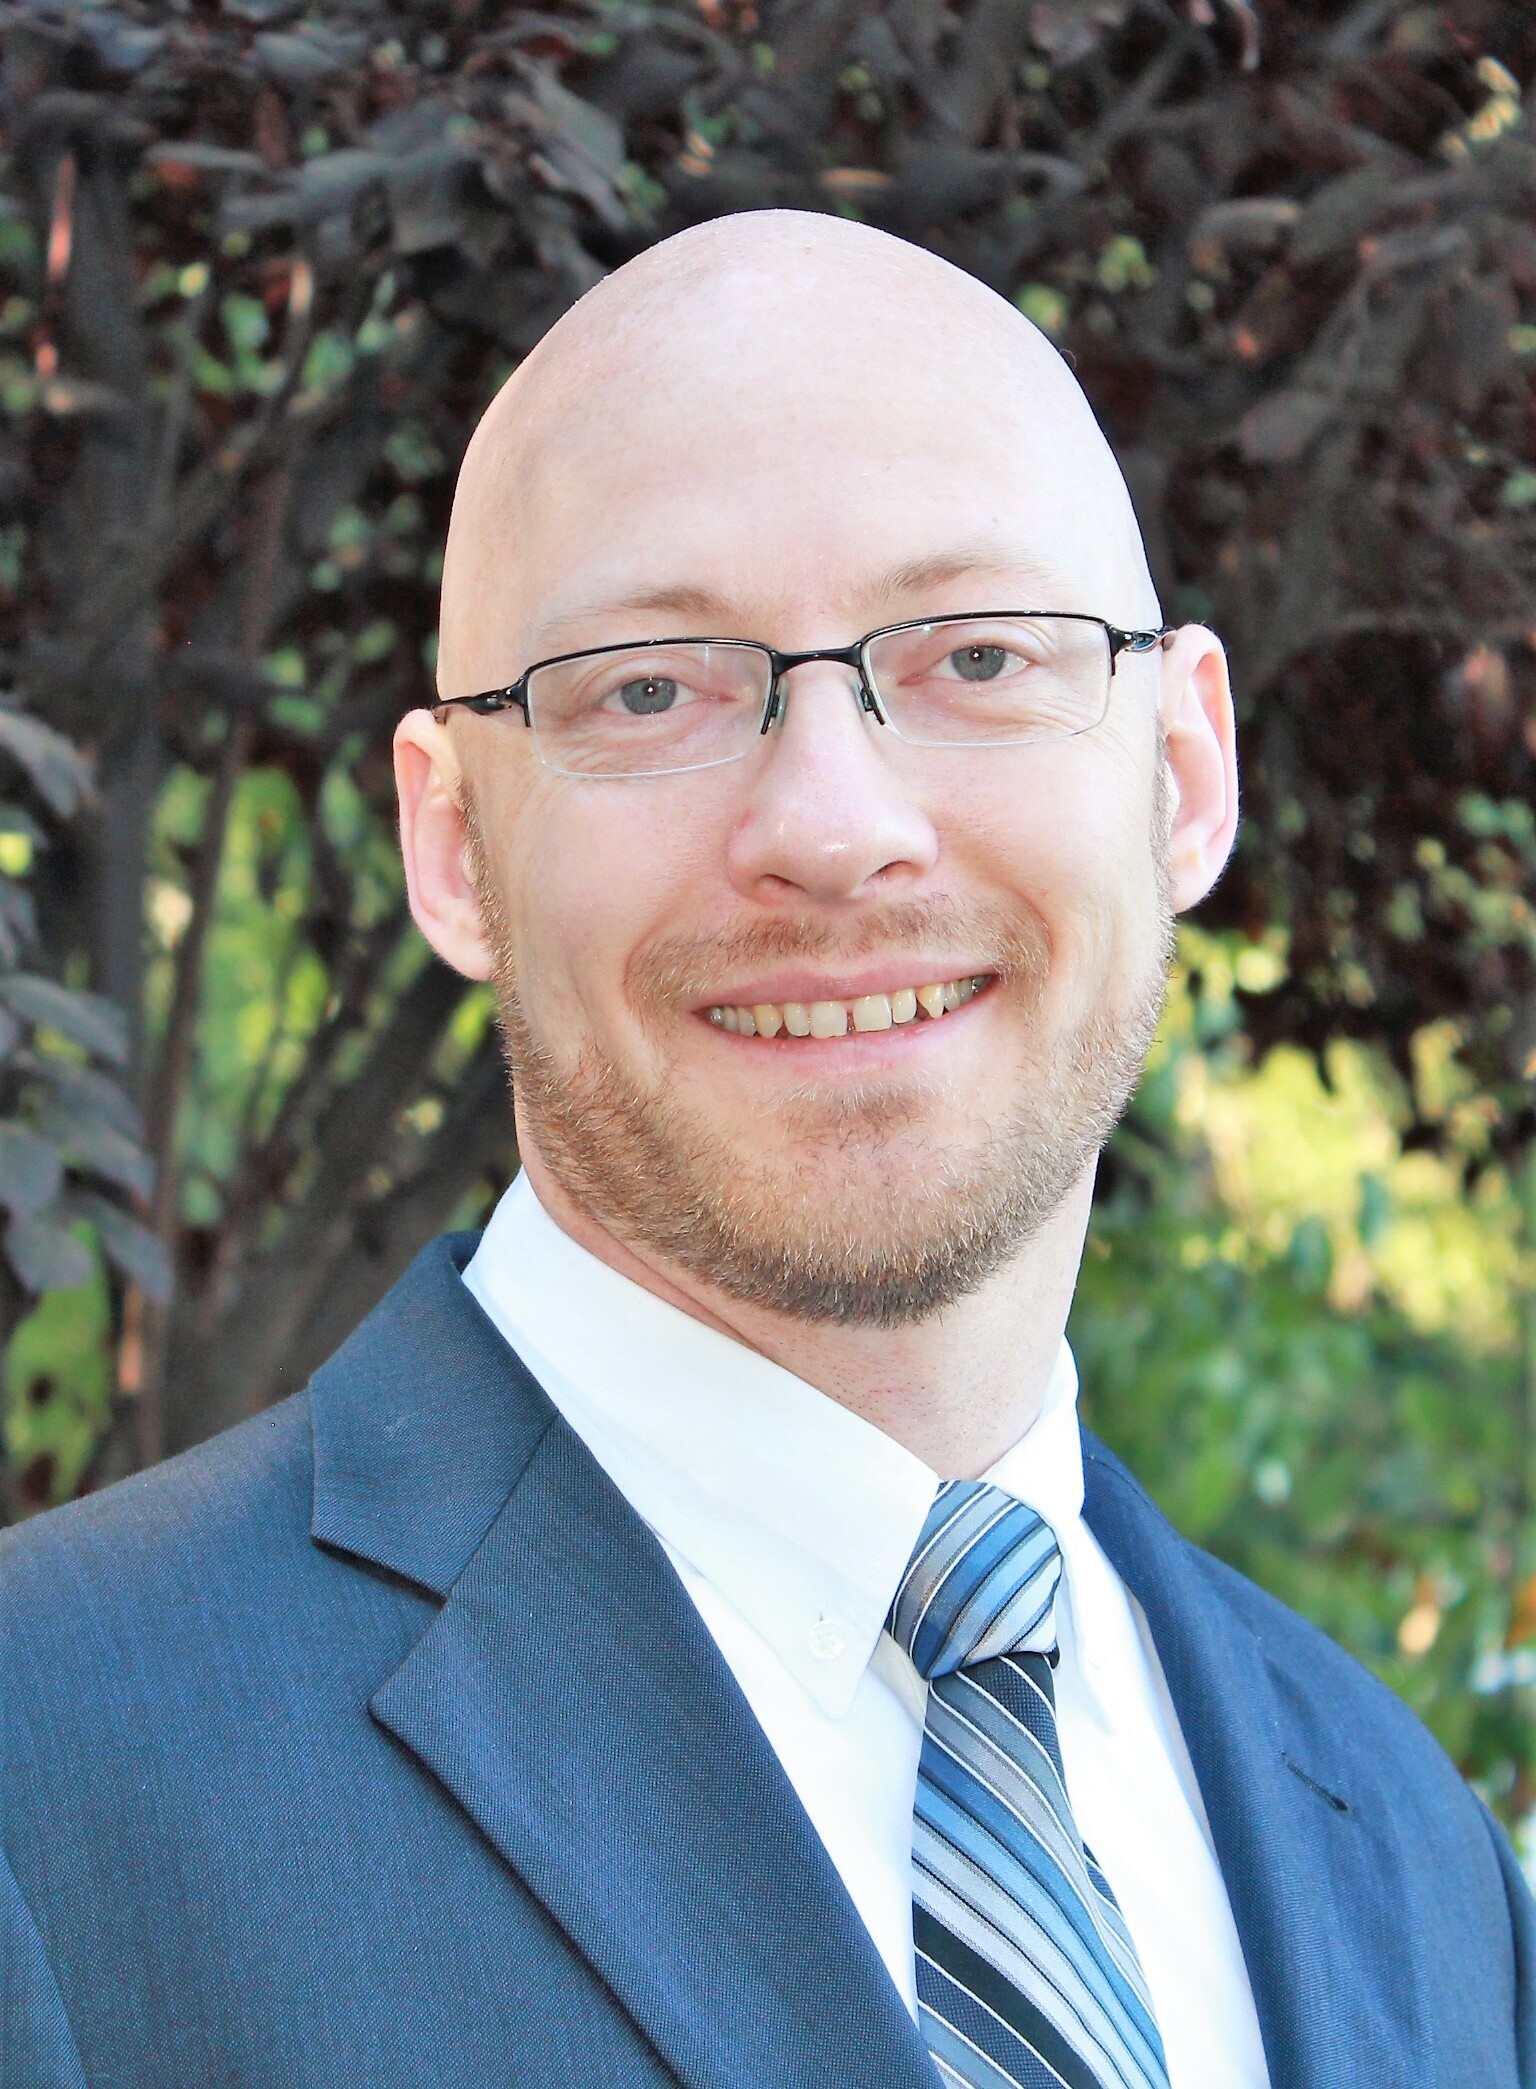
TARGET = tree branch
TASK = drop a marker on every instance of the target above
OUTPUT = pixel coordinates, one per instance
(176, 1054)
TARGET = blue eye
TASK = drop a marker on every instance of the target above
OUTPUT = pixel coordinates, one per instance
(650, 694)
(979, 663)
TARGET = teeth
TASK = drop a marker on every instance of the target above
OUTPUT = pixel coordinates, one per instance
(837, 1018)
(871, 1012)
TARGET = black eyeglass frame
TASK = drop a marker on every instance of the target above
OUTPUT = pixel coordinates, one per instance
(514, 695)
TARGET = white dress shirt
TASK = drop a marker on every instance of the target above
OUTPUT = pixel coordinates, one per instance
(789, 1521)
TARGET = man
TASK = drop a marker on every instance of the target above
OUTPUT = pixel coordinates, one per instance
(670, 1643)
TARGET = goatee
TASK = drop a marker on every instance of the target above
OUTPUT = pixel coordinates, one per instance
(856, 1217)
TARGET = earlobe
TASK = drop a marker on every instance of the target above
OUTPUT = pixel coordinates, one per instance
(1200, 748)
(433, 837)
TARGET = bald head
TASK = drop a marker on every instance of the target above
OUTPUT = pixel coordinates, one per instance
(806, 357)
(796, 433)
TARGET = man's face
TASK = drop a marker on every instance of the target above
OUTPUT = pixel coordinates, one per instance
(874, 1175)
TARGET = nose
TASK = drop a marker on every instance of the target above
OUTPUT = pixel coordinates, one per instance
(829, 814)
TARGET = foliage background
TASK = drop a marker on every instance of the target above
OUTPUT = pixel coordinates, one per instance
(260, 269)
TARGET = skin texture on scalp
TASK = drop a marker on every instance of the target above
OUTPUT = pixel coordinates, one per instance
(794, 430)
(750, 305)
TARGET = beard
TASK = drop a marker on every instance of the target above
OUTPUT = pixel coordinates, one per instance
(858, 1217)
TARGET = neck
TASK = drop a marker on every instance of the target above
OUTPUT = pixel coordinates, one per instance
(957, 1390)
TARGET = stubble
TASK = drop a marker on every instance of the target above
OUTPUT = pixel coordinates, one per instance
(854, 1217)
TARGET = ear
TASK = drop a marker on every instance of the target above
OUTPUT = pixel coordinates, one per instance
(1200, 748)
(433, 839)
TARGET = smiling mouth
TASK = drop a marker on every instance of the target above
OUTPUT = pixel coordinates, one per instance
(837, 1018)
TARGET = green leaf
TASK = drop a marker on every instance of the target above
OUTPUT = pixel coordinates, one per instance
(87, 1019)
(31, 1171)
(136, 1251)
(1123, 265)
(412, 453)
(246, 325)
(55, 765)
(89, 1142)
(16, 821)
(45, 1255)
(1047, 308)
(87, 1091)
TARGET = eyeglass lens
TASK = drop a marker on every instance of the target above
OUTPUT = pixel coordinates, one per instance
(978, 682)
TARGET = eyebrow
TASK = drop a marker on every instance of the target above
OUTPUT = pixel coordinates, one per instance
(913, 577)
(984, 556)
(680, 601)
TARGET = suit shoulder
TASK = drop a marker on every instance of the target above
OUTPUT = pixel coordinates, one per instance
(243, 1489)
(1294, 1647)
(1320, 1681)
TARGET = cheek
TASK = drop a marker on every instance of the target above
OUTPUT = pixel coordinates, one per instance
(1070, 836)
(595, 872)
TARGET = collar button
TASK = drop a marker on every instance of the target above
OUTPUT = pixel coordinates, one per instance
(826, 1639)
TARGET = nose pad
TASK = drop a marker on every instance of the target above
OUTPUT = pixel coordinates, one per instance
(869, 701)
(773, 712)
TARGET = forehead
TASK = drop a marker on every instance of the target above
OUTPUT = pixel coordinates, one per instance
(841, 496)
(774, 450)
(988, 573)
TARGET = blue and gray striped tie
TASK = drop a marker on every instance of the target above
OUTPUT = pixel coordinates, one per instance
(1026, 1974)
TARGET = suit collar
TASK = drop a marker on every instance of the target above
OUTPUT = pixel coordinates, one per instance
(423, 1421)
(1304, 1827)
(569, 1698)
(545, 1696)
(793, 1508)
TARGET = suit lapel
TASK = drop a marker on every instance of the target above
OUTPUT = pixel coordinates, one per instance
(1304, 1835)
(570, 1700)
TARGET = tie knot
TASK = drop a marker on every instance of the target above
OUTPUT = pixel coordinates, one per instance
(981, 1582)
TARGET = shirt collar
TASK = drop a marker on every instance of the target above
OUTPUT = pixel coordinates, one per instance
(802, 1515)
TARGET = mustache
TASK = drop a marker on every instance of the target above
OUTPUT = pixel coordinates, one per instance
(1002, 940)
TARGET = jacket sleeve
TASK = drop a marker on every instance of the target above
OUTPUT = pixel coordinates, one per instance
(37, 2046)
(1522, 1918)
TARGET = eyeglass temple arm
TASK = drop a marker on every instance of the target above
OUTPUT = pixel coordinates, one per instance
(1137, 641)
(512, 698)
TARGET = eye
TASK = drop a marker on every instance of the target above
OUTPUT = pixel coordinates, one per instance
(646, 695)
(979, 663)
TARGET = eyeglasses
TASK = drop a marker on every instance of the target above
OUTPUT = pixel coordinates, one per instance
(1006, 679)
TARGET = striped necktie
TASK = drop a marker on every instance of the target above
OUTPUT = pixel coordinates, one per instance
(1026, 1974)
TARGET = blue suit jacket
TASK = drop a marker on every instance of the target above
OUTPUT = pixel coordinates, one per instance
(376, 1743)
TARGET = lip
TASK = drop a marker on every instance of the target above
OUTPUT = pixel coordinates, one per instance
(780, 987)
